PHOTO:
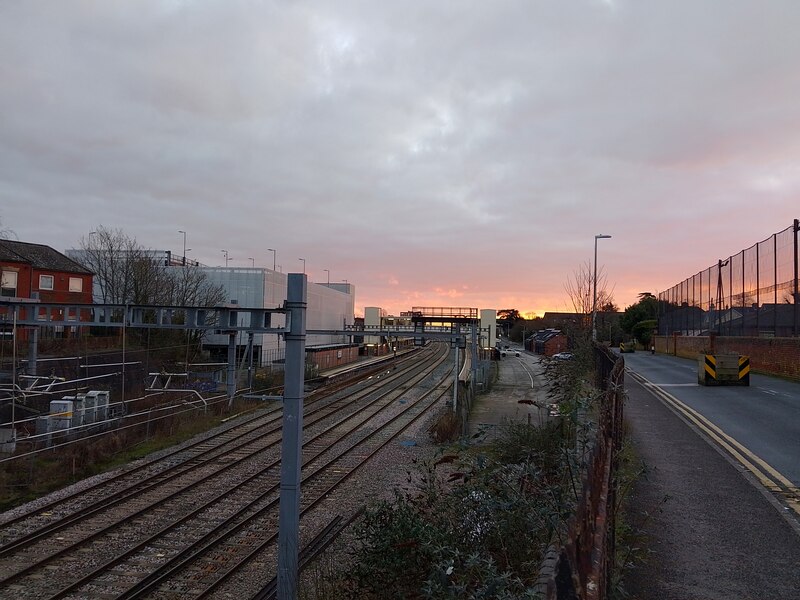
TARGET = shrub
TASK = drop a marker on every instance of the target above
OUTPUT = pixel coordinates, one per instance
(482, 538)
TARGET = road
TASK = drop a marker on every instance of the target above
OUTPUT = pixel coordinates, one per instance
(520, 393)
(763, 418)
(717, 510)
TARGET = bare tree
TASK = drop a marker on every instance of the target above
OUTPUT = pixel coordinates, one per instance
(580, 289)
(6, 233)
(110, 255)
(192, 288)
(128, 273)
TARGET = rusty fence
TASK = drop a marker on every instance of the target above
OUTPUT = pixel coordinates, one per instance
(751, 293)
(583, 567)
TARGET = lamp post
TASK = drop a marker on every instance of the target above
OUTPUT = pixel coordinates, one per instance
(184, 246)
(274, 254)
(225, 252)
(329, 275)
(252, 261)
(304, 265)
(599, 236)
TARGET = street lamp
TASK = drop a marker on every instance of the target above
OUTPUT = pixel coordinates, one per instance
(184, 245)
(599, 236)
(252, 261)
(273, 256)
(329, 275)
(304, 265)
(225, 252)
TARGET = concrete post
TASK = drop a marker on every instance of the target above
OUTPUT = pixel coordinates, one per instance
(291, 449)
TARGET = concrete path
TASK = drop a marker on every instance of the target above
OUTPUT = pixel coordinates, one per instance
(520, 393)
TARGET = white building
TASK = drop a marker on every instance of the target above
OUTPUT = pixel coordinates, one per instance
(329, 306)
(488, 335)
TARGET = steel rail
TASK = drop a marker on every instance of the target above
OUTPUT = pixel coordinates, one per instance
(50, 558)
(229, 527)
(139, 487)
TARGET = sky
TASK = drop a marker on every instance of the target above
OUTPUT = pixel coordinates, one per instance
(429, 153)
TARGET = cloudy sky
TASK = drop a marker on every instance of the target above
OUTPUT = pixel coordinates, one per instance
(431, 153)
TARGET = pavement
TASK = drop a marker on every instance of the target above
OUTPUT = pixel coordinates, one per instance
(706, 529)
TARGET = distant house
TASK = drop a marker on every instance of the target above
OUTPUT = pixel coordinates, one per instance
(607, 323)
(564, 320)
(548, 342)
(35, 271)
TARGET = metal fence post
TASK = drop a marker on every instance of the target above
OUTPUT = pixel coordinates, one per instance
(291, 448)
(775, 283)
(231, 382)
(796, 295)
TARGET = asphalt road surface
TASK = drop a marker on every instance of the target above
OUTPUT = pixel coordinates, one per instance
(718, 511)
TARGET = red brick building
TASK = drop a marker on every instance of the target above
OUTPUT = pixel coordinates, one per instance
(30, 271)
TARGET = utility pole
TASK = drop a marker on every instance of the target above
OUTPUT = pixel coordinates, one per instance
(291, 448)
(184, 246)
(455, 380)
(594, 295)
(796, 229)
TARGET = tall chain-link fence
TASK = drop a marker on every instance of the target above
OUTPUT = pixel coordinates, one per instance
(751, 293)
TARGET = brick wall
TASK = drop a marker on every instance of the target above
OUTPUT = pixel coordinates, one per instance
(332, 357)
(771, 356)
(555, 345)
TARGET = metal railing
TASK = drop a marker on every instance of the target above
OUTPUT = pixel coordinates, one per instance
(751, 293)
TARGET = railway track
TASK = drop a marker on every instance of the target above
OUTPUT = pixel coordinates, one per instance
(152, 473)
(185, 531)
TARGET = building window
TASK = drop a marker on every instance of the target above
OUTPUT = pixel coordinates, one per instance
(8, 284)
(75, 284)
(45, 282)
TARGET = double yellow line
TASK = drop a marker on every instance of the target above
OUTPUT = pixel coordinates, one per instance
(768, 476)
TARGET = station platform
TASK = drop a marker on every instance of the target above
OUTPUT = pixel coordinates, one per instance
(362, 363)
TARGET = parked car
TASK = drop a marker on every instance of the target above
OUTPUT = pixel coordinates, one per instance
(563, 356)
(516, 354)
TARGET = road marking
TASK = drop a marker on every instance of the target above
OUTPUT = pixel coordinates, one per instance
(526, 370)
(674, 384)
(784, 488)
